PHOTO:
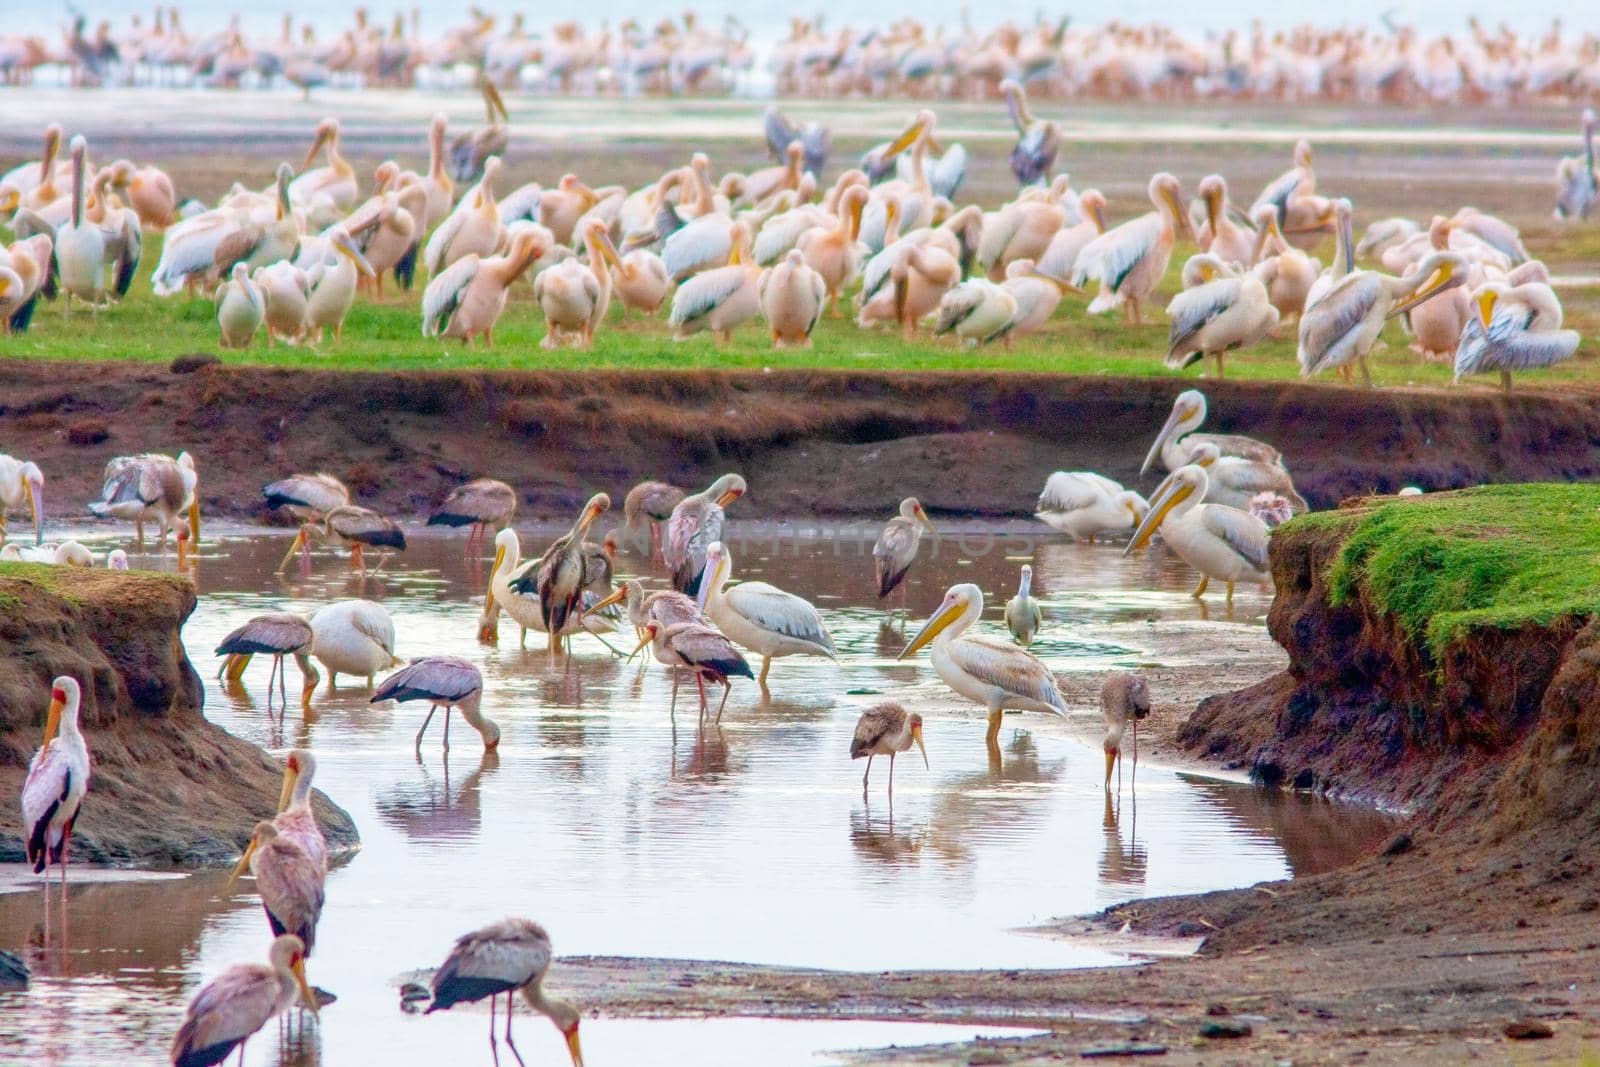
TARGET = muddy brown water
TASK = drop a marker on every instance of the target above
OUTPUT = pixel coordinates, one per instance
(630, 832)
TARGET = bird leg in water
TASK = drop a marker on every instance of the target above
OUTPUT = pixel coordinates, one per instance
(1133, 775)
(891, 778)
(1230, 593)
(447, 729)
(700, 680)
(766, 665)
(993, 737)
(1200, 590)
(864, 777)
(357, 559)
(431, 709)
(727, 687)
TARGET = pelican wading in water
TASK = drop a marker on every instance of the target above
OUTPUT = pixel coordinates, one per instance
(886, 729)
(987, 672)
(1340, 329)
(1218, 541)
(511, 956)
(761, 617)
(277, 635)
(353, 637)
(1086, 505)
(1236, 481)
(1124, 700)
(514, 591)
(1024, 615)
(227, 1012)
(1176, 442)
(444, 682)
(58, 778)
(1515, 328)
(21, 485)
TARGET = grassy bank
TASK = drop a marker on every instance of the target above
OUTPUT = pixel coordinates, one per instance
(1492, 557)
(386, 335)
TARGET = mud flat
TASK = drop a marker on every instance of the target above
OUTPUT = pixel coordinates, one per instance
(170, 789)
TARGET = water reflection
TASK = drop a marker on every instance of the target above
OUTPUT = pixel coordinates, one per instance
(631, 831)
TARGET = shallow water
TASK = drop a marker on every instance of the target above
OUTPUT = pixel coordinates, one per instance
(630, 834)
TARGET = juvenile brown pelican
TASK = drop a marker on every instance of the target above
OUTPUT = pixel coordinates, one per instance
(58, 778)
(289, 881)
(22, 485)
(886, 729)
(509, 957)
(695, 522)
(701, 649)
(444, 682)
(1024, 615)
(1124, 700)
(761, 617)
(1177, 440)
(1218, 541)
(987, 672)
(1340, 329)
(1515, 328)
(1038, 140)
(1086, 505)
(227, 1012)
(483, 504)
(646, 509)
(277, 635)
(896, 547)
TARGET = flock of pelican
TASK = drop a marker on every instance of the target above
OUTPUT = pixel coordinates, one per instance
(1055, 57)
(780, 246)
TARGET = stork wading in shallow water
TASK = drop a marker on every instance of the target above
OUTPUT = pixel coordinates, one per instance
(700, 649)
(228, 1011)
(1124, 700)
(513, 589)
(511, 956)
(761, 617)
(276, 635)
(693, 525)
(884, 730)
(562, 573)
(152, 485)
(990, 673)
(58, 778)
(1220, 542)
(444, 682)
(307, 497)
(482, 504)
(896, 548)
(354, 527)
(289, 881)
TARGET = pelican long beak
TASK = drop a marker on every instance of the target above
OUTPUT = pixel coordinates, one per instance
(1180, 412)
(290, 777)
(574, 1047)
(916, 735)
(316, 146)
(1486, 302)
(310, 998)
(718, 574)
(499, 558)
(1159, 507)
(608, 252)
(1443, 277)
(243, 864)
(36, 503)
(905, 140)
(1185, 223)
(294, 546)
(1061, 284)
(52, 723)
(948, 613)
(347, 247)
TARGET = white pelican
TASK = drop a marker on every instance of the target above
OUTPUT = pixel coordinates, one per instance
(1037, 296)
(333, 286)
(325, 194)
(832, 248)
(353, 637)
(1231, 310)
(720, 299)
(58, 778)
(116, 560)
(472, 229)
(575, 296)
(1038, 140)
(896, 547)
(521, 600)
(276, 635)
(1287, 272)
(80, 243)
(650, 504)
(351, 527)
(561, 208)
(440, 189)
(21, 484)
(1177, 441)
(240, 308)
(886, 729)
(66, 554)
(444, 682)
(1516, 328)
(1219, 234)
(701, 649)
(1085, 505)
(641, 282)
(286, 291)
(149, 192)
(792, 298)
(1235, 480)
(919, 280)
(1341, 328)
(467, 298)
(510, 956)
(1578, 177)
(1218, 541)
(289, 881)
(977, 311)
(763, 618)
(137, 487)
(307, 497)
(227, 1012)
(20, 181)
(988, 672)
(1061, 255)
(695, 522)
(484, 504)
(1024, 615)
(1124, 700)
(914, 195)
(1129, 260)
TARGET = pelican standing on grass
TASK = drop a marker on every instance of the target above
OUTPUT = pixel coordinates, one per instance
(1516, 328)
(444, 682)
(277, 635)
(227, 1012)
(1229, 310)
(353, 637)
(886, 729)
(58, 778)
(1176, 441)
(511, 956)
(1124, 700)
(1086, 505)
(139, 487)
(467, 299)
(1129, 260)
(483, 504)
(695, 522)
(1038, 140)
(240, 308)
(1024, 615)
(990, 673)
(1340, 329)
(80, 243)
(761, 617)
(896, 547)
(21, 484)
(701, 649)
(1218, 541)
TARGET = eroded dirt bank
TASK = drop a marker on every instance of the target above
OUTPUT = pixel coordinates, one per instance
(825, 443)
(169, 788)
